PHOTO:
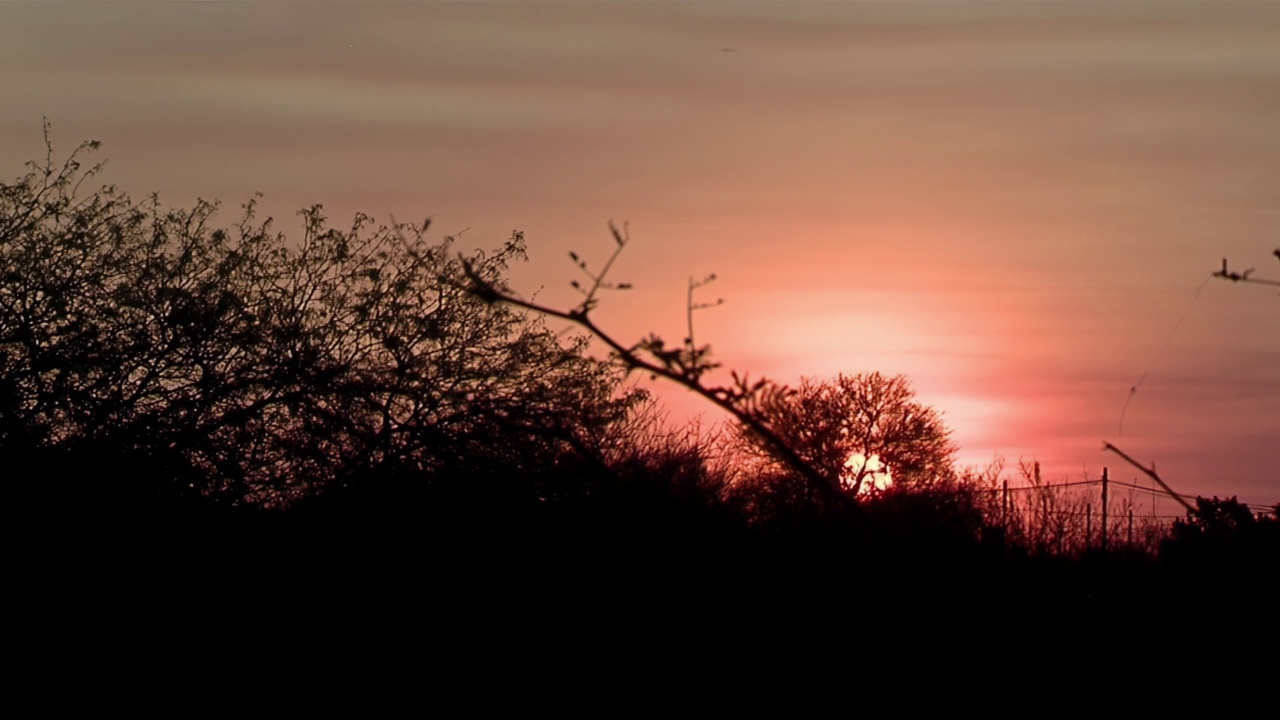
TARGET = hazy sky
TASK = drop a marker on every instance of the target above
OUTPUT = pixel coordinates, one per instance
(1011, 202)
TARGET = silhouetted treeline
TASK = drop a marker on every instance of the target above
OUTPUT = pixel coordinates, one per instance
(180, 400)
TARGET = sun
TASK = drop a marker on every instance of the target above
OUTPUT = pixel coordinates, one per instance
(878, 477)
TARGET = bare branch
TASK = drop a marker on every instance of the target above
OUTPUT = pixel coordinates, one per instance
(1237, 276)
(747, 402)
(1151, 473)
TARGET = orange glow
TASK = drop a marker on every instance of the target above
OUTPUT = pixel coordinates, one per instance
(878, 478)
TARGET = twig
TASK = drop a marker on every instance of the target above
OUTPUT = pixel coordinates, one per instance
(1235, 276)
(691, 305)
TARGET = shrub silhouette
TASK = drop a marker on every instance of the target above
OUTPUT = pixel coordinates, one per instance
(147, 357)
(1223, 532)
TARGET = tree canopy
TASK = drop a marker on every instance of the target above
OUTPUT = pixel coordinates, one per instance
(858, 427)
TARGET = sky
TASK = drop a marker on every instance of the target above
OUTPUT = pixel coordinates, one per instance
(1016, 204)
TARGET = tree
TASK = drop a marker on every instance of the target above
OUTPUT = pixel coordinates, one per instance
(239, 365)
(863, 428)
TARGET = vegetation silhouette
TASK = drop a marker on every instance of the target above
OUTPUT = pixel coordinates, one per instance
(937, 520)
(363, 412)
(861, 428)
(149, 361)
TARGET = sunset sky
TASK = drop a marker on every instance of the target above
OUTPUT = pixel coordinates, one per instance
(1013, 203)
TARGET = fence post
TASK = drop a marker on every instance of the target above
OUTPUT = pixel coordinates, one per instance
(1088, 525)
(1004, 502)
(1104, 509)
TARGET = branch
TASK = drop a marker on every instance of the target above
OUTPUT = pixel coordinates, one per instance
(1151, 473)
(691, 306)
(589, 302)
(1236, 276)
(684, 366)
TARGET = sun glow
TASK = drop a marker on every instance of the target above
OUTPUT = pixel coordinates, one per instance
(877, 477)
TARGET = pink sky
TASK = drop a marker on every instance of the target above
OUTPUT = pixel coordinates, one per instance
(1012, 203)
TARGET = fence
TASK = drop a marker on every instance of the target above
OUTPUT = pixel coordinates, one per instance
(1074, 517)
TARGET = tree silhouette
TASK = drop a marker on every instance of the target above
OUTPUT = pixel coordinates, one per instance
(862, 427)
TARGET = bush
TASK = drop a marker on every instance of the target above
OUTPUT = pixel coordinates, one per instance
(147, 356)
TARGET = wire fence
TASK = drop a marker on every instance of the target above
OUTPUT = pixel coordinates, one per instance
(1073, 517)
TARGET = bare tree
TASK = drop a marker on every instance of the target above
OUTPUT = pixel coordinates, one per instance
(858, 427)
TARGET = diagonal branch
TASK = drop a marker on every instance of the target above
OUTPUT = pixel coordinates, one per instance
(684, 367)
